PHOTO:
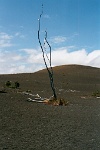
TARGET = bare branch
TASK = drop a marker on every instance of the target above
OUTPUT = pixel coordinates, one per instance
(43, 48)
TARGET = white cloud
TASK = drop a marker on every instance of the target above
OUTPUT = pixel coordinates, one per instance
(62, 39)
(46, 16)
(18, 34)
(62, 56)
(33, 56)
(58, 39)
(5, 40)
(26, 60)
(30, 60)
(94, 58)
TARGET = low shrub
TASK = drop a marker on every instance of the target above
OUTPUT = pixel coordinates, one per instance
(96, 93)
(13, 85)
(8, 83)
(17, 85)
(29, 91)
(57, 102)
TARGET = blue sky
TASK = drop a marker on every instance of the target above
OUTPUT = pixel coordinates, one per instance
(73, 28)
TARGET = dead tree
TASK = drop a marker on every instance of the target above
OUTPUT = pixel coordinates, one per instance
(45, 56)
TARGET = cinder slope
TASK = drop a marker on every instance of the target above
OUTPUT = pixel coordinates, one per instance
(77, 78)
(33, 126)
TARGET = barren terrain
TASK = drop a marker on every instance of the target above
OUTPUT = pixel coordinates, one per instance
(36, 126)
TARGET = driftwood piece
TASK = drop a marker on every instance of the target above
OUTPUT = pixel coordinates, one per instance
(35, 98)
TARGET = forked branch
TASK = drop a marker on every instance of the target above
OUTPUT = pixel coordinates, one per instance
(43, 48)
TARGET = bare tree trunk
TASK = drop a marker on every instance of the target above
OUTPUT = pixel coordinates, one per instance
(50, 70)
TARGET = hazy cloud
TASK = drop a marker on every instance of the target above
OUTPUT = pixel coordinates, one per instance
(18, 34)
(58, 39)
(62, 39)
(5, 40)
(46, 16)
(30, 60)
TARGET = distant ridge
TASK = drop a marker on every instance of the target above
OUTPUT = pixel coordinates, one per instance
(58, 67)
(71, 66)
(85, 79)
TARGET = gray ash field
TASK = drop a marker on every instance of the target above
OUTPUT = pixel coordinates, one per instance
(36, 126)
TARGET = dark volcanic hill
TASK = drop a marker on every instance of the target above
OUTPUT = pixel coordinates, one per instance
(68, 79)
(28, 125)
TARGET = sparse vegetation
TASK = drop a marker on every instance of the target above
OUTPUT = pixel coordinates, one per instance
(96, 93)
(57, 102)
(17, 85)
(8, 83)
(13, 85)
(29, 91)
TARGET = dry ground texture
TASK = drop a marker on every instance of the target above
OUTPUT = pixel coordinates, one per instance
(37, 126)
